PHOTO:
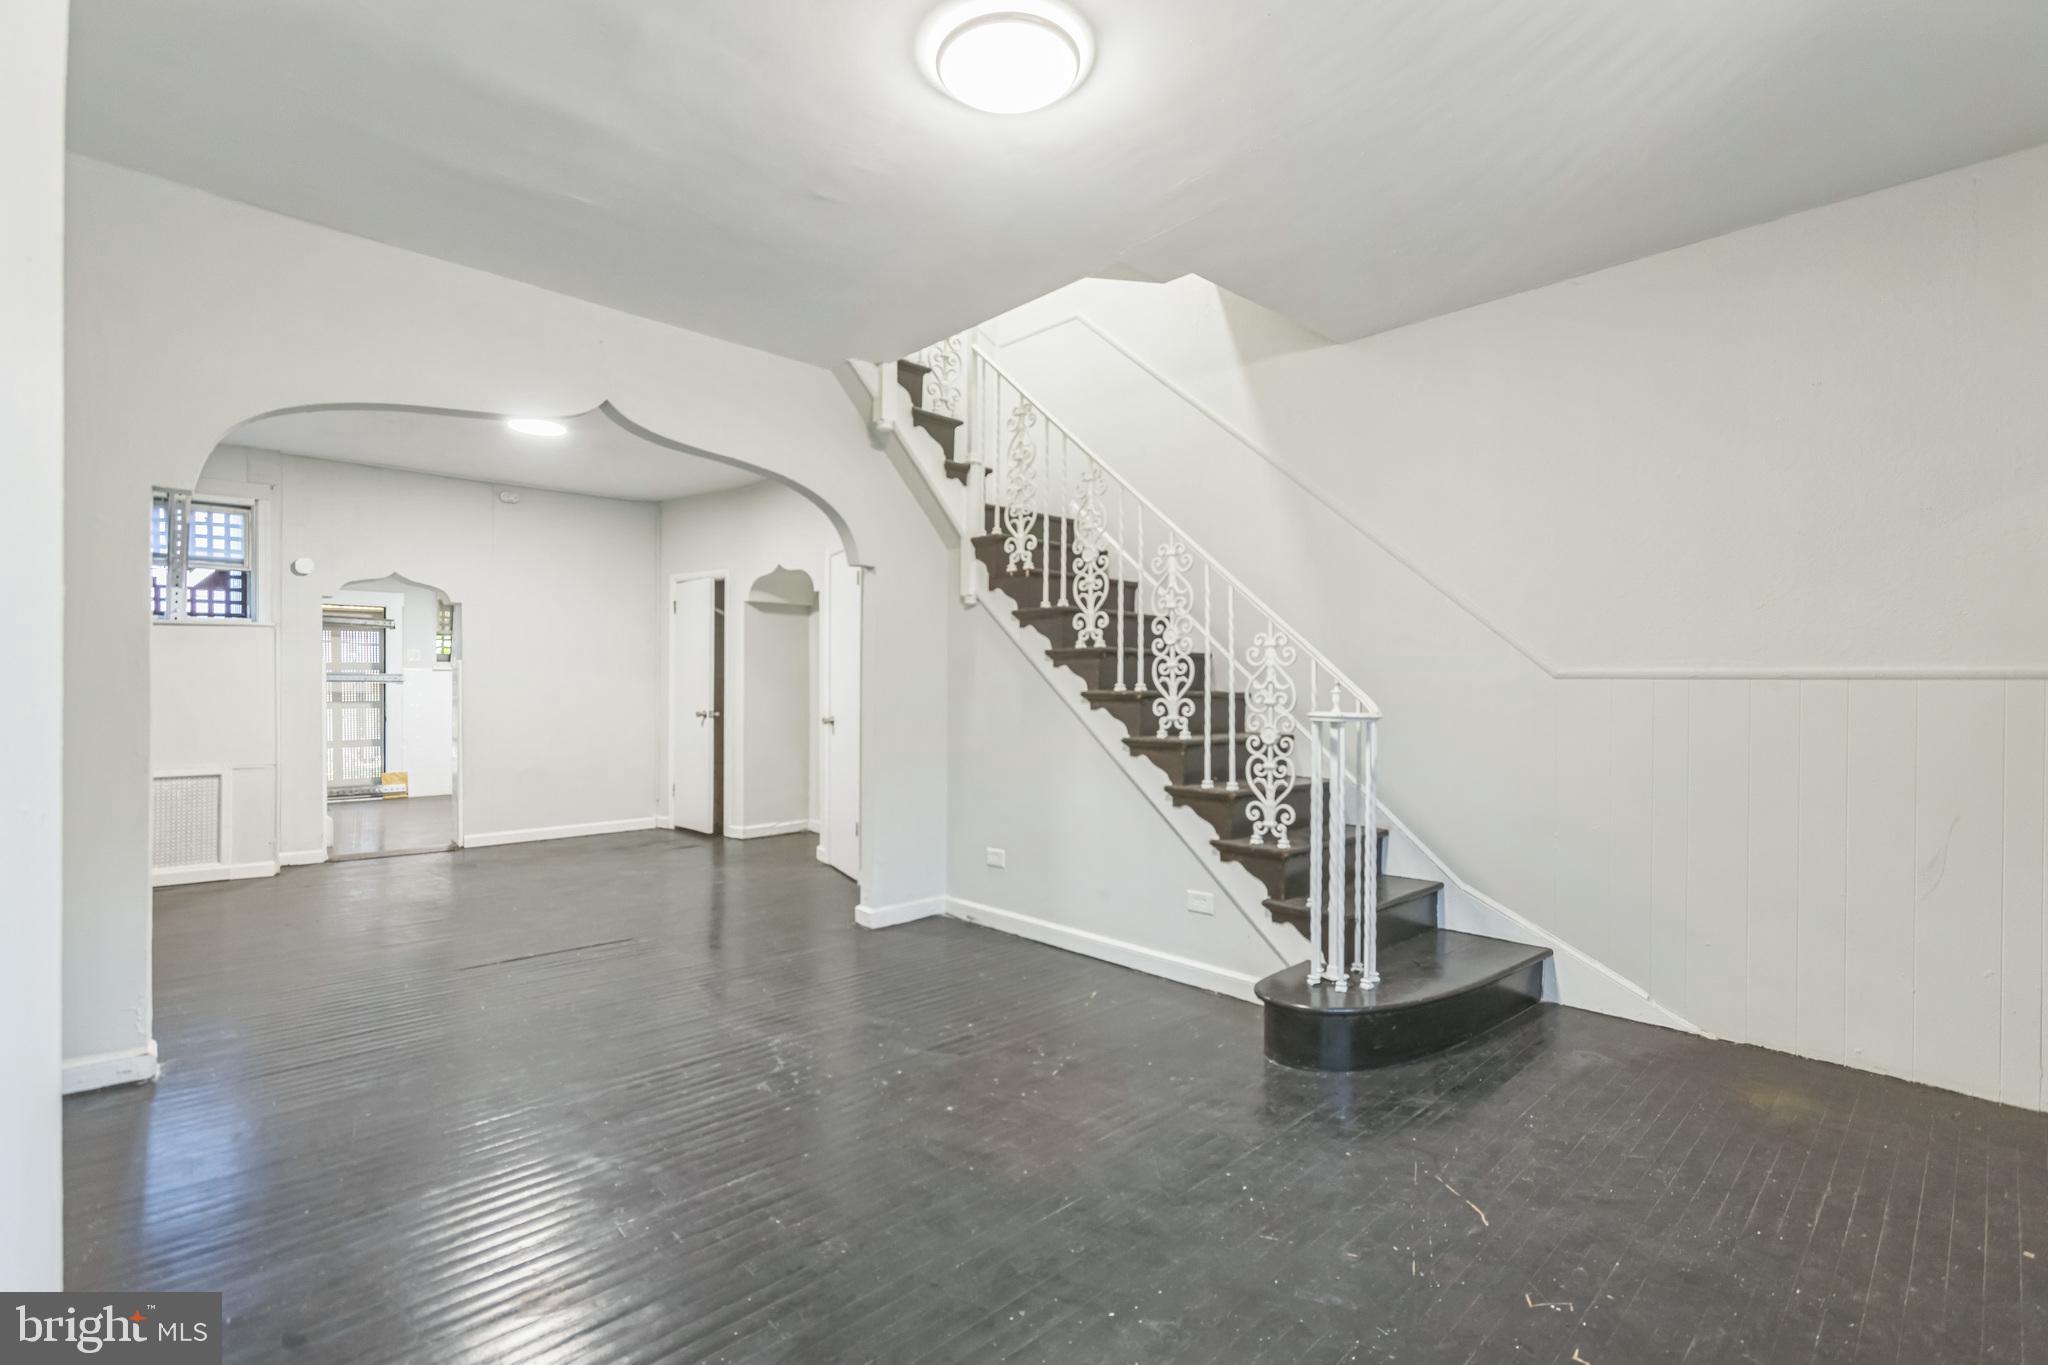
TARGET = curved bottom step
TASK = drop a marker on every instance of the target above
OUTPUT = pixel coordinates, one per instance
(1437, 989)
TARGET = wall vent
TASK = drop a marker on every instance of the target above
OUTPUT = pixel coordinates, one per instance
(184, 821)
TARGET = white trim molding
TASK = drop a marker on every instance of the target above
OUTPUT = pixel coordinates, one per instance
(533, 836)
(212, 872)
(889, 916)
(1151, 961)
(768, 829)
(302, 857)
(104, 1069)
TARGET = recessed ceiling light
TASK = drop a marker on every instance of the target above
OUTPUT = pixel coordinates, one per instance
(1009, 63)
(536, 426)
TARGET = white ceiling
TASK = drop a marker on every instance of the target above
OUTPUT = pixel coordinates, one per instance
(595, 457)
(778, 172)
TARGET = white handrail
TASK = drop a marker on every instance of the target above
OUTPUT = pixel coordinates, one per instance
(1371, 708)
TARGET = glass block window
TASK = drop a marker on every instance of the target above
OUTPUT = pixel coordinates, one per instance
(205, 548)
(444, 633)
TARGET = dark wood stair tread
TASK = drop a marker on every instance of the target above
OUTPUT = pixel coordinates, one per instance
(926, 417)
(1110, 694)
(1246, 851)
(1415, 973)
(1394, 893)
(1437, 989)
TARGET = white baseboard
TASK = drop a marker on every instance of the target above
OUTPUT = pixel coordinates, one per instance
(767, 829)
(110, 1068)
(303, 857)
(815, 825)
(888, 916)
(530, 836)
(1137, 957)
(210, 872)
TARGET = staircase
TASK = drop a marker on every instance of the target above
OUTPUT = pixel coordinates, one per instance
(1227, 702)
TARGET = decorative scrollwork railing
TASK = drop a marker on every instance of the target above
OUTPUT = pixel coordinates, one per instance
(1271, 715)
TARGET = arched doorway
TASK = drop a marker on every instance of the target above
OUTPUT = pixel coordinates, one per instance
(390, 725)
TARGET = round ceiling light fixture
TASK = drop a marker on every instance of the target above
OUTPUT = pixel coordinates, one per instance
(1011, 62)
(536, 426)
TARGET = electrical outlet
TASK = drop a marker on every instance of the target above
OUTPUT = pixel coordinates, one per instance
(1201, 903)
(998, 858)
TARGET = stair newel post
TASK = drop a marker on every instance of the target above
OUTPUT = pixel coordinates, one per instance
(1206, 692)
(1333, 847)
(1318, 903)
(1230, 695)
(1369, 846)
(967, 382)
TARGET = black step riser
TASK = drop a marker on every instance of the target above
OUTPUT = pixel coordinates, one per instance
(1230, 813)
(1403, 920)
(1098, 673)
(940, 429)
(1356, 1042)
(994, 555)
(1287, 879)
(1061, 631)
(1183, 764)
(1137, 717)
(911, 379)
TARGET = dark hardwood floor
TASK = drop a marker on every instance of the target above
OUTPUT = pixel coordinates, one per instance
(654, 1098)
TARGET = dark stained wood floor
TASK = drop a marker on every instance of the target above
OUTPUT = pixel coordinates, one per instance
(653, 1098)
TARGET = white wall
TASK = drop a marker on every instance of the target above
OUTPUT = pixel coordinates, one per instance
(1700, 595)
(1090, 864)
(189, 314)
(746, 533)
(32, 412)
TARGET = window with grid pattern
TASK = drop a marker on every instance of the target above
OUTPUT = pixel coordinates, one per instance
(204, 547)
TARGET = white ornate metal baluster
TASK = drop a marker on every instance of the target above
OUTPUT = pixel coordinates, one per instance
(1138, 602)
(1122, 555)
(1091, 579)
(1045, 524)
(1173, 636)
(1208, 689)
(1230, 695)
(1020, 483)
(1066, 506)
(1269, 735)
(1333, 845)
(942, 388)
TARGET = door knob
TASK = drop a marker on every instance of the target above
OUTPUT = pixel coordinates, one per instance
(827, 720)
(706, 715)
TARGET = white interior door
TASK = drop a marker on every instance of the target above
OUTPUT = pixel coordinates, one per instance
(693, 714)
(839, 759)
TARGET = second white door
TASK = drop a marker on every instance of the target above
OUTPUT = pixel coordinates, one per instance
(694, 718)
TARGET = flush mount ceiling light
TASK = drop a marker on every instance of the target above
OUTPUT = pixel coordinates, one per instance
(1011, 62)
(536, 426)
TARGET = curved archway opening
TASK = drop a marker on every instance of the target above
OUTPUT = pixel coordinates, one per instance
(549, 553)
